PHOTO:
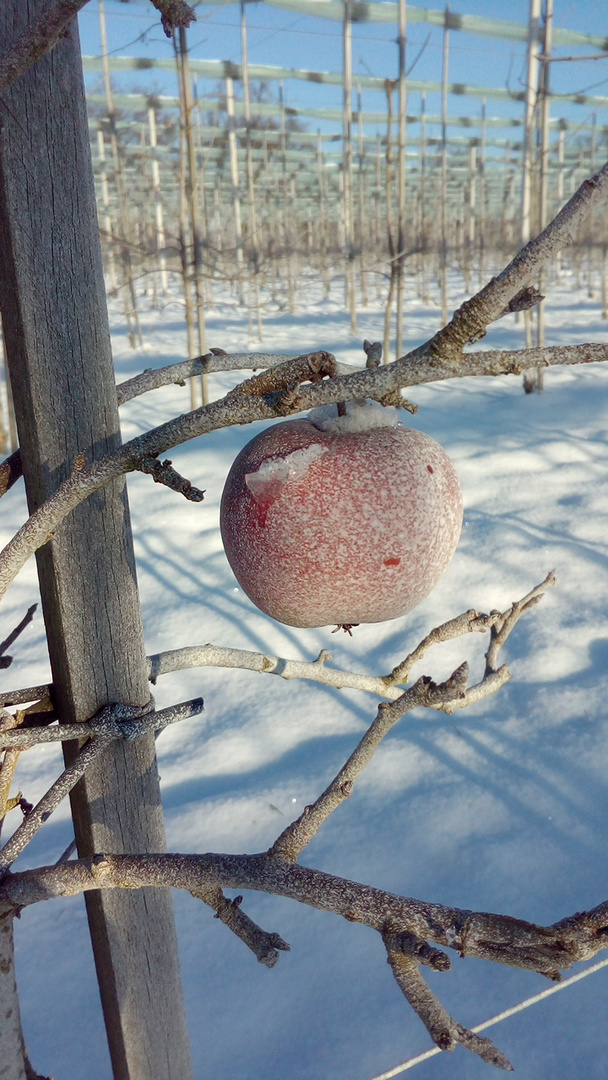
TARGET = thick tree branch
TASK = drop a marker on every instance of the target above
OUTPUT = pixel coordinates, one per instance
(499, 938)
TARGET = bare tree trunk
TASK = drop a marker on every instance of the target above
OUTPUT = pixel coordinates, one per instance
(54, 315)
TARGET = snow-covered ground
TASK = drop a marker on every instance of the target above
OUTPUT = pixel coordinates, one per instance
(502, 807)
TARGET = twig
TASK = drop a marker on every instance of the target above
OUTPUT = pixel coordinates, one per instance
(174, 13)
(6, 661)
(164, 473)
(113, 722)
(244, 659)
(10, 471)
(280, 384)
(445, 1032)
(20, 697)
(175, 374)
(469, 622)
(389, 686)
(424, 692)
(7, 772)
(215, 360)
(373, 352)
(446, 697)
(264, 945)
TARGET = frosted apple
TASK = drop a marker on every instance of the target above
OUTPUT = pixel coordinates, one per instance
(340, 520)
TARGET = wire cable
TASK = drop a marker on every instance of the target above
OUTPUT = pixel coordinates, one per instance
(496, 1019)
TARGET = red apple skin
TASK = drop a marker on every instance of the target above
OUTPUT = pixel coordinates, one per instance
(363, 535)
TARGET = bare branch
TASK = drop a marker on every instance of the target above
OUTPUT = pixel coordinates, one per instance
(163, 473)
(467, 623)
(424, 692)
(20, 697)
(215, 360)
(112, 722)
(174, 13)
(317, 671)
(6, 661)
(264, 945)
(499, 938)
(10, 471)
(445, 1032)
(42, 33)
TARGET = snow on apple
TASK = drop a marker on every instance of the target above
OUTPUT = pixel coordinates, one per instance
(340, 519)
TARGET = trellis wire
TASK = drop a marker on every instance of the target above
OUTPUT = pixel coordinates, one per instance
(496, 1019)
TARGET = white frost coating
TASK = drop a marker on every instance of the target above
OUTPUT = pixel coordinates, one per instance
(284, 468)
(362, 415)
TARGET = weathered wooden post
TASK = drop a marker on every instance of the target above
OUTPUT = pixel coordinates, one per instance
(55, 322)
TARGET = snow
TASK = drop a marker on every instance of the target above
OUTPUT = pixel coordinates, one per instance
(501, 807)
(359, 416)
(283, 470)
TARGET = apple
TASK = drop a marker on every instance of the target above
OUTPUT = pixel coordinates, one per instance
(340, 519)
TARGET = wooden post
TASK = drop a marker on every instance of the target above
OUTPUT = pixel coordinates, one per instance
(401, 128)
(192, 190)
(528, 154)
(443, 258)
(252, 228)
(285, 204)
(235, 185)
(158, 203)
(363, 203)
(55, 320)
(124, 224)
(105, 200)
(482, 214)
(423, 214)
(544, 166)
(347, 158)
